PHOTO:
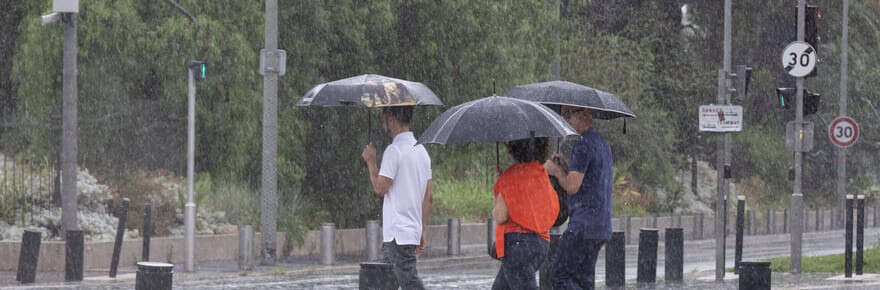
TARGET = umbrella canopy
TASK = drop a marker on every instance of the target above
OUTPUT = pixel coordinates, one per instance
(604, 105)
(495, 119)
(370, 91)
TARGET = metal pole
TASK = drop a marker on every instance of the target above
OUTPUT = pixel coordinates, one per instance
(724, 186)
(69, 126)
(860, 234)
(120, 234)
(844, 64)
(245, 247)
(328, 240)
(269, 200)
(148, 231)
(797, 223)
(189, 218)
(740, 219)
(647, 259)
(615, 260)
(374, 240)
(674, 263)
(74, 264)
(453, 237)
(847, 259)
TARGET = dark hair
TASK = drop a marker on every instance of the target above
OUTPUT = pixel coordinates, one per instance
(522, 152)
(403, 114)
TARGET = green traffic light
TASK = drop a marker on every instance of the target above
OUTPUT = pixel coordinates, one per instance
(782, 101)
(203, 70)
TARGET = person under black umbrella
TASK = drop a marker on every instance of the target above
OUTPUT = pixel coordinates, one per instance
(588, 182)
(525, 205)
(404, 182)
(404, 178)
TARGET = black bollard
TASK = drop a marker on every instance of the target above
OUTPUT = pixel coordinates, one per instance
(28, 256)
(754, 276)
(148, 231)
(120, 234)
(73, 256)
(647, 268)
(153, 276)
(377, 275)
(674, 263)
(861, 222)
(847, 262)
(615, 260)
(740, 210)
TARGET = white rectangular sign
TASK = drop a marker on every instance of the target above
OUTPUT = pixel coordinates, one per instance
(715, 118)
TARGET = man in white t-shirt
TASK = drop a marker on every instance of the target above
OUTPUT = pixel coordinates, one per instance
(404, 182)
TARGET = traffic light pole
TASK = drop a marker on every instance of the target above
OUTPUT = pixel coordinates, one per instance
(844, 63)
(797, 198)
(723, 152)
(189, 214)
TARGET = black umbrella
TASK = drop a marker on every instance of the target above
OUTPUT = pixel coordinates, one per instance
(495, 119)
(605, 105)
(370, 91)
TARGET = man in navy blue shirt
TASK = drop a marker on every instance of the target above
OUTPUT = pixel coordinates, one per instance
(588, 184)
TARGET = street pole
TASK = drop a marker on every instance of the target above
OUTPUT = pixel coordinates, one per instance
(269, 200)
(797, 197)
(72, 234)
(723, 152)
(69, 128)
(190, 210)
(844, 63)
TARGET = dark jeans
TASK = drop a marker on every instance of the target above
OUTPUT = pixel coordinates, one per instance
(574, 266)
(403, 258)
(523, 256)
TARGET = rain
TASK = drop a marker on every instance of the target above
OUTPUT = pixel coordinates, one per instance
(279, 137)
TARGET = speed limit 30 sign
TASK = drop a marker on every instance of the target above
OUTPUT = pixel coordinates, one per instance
(843, 131)
(799, 59)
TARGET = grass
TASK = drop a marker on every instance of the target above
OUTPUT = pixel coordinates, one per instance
(827, 264)
(467, 199)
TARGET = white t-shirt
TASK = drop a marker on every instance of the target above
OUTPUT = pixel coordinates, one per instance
(409, 167)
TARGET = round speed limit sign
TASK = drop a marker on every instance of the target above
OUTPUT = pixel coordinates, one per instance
(799, 59)
(843, 131)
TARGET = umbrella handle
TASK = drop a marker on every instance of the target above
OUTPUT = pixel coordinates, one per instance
(497, 160)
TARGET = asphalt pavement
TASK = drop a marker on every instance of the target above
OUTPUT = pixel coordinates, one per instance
(474, 270)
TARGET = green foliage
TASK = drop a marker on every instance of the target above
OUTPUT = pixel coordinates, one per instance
(132, 89)
(467, 199)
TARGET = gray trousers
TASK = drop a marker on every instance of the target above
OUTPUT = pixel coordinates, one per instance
(403, 258)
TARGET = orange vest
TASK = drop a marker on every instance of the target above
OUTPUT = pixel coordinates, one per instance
(531, 202)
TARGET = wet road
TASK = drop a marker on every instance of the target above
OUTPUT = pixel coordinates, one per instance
(478, 272)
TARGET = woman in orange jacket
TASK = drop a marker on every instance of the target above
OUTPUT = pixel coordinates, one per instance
(525, 208)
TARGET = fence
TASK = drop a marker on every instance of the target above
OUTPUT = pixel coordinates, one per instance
(28, 182)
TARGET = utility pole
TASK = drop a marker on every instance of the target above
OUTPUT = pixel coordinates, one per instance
(723, 153)
(271, 67)
(189, 214)
(797, 197)
(844, 64)
(67, 11)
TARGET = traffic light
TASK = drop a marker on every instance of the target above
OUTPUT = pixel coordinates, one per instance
(743, 75)
(200, 70)
(786, 97)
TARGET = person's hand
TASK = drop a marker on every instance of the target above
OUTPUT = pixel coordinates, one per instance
(422, 243)
(552, 167)
(369, 154)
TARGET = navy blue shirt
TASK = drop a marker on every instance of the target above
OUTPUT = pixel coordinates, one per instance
(590, 208)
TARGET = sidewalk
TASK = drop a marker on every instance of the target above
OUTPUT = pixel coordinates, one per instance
(439, 271)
